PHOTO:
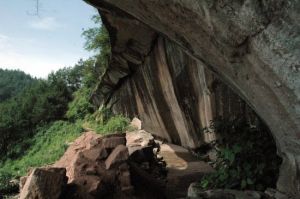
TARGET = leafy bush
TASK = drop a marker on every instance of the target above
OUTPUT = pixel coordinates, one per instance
(117, 123)
(80, 106)
(104, 122)
(246, 157)
(48, 145)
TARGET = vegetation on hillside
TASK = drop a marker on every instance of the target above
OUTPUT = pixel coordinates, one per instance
(40, 118)
(12, 82)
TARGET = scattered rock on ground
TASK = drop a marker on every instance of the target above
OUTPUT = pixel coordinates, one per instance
(125, 166)
(97, 166)
(44, 183)
(100, 166)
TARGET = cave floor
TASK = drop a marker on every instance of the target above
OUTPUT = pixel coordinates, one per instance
(183, 169)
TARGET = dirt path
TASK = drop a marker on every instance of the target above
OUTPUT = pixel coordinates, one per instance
(183, 169)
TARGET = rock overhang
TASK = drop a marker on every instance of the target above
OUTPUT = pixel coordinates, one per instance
(251, 45)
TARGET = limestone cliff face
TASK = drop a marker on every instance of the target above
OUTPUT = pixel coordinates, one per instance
(252, 45)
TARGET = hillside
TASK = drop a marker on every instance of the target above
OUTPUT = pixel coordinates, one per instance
(12, 82)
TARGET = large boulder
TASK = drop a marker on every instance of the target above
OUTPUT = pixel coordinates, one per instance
(138, 139)
(73, 154)
(96, 167)
(44, 183)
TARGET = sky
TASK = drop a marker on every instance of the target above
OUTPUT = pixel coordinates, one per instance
(40, 44)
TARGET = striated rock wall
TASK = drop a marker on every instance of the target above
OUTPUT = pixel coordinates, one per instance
(176, 97)
(252, 45)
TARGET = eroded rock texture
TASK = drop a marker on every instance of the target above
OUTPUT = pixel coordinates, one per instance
(252, 45)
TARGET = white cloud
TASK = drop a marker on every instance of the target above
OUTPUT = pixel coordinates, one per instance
(4, 42)
(3, 38)
(14, 57)
(36, 66)
(46, 23)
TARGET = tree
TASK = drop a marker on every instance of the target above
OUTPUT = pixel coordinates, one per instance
(12, 82)
(97, 40)
(40, 103)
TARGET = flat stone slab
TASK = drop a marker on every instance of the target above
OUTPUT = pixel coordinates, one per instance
(184, 169)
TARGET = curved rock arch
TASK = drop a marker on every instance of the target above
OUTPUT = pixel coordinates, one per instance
(254, 46)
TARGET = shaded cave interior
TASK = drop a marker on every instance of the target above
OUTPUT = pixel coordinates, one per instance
(179, 100)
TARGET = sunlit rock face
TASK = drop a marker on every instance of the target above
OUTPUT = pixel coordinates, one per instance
(252, 45)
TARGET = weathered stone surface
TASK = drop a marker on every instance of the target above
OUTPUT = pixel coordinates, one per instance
(22, 182)
(96, 154)
(136, 124)
(139, 138)
(274, 194)
(253, 46)
(44, 183)
(113, 142)
(86, 160)
(195, 192)
(74, 156)
(124, 179)
(117, 156)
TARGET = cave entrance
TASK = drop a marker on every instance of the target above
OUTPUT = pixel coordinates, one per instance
(236, 141)
(183, 102)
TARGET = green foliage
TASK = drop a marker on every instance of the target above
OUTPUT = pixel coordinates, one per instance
(104, 122)
(80, 106)
(246, 157)
(38, 104)
(117, 123)
(32, 132)
(97, 40)
(47, 146)
(12, 82)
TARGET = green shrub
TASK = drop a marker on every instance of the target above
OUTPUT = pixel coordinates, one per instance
(103, 122)
(117, 123)
(246, 157)
(80, 106)
(48, 145)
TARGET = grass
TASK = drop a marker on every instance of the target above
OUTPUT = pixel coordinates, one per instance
(47, 146)
(50, 143)
(114, 124)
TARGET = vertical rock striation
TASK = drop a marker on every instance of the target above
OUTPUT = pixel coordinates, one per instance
(176, 97)
(252, 46)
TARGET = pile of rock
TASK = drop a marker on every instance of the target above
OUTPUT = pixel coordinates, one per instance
(97, 167)
(148, 169)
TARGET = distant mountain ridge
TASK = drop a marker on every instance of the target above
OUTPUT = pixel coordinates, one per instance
(12, 82)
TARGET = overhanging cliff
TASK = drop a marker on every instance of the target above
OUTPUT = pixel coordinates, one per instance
(252, 46)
